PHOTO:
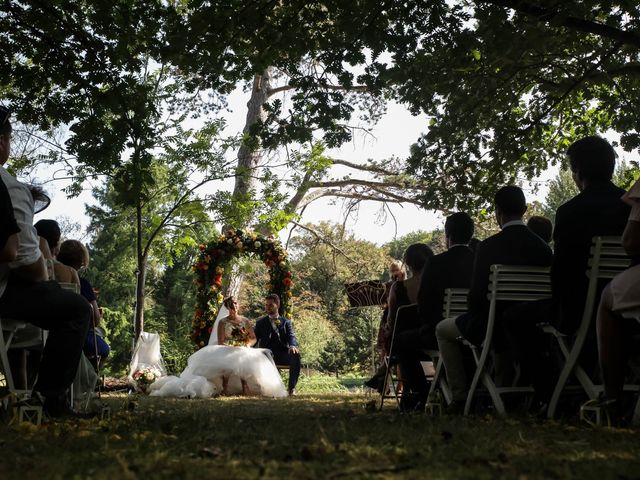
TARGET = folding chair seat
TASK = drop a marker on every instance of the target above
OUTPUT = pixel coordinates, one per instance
(607, 259)
(9, 328)
(513, 284)
(403, 314)
(454, 304)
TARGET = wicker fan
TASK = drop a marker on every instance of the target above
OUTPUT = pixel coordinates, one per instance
(365, 294)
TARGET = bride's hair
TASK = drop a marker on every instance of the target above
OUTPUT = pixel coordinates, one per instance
(229, 301)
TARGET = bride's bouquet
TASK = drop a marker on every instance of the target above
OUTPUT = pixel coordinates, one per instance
(143, 377)
(239, 337)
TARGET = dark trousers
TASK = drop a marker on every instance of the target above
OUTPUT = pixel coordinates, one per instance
(65, 315)
(409, 347)
(530, 346)
(283, 357)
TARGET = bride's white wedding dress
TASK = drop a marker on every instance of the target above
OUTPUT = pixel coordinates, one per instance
(205, 368)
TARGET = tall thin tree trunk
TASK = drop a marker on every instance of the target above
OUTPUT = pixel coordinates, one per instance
(249, 155)
(141, 260)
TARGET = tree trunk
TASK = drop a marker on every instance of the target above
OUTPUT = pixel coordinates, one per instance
(141, 274)
(249, 153)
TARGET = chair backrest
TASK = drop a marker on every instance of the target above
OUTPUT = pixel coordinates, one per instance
(607, 259)
(74, 287)
(454, 302)
(515, 283)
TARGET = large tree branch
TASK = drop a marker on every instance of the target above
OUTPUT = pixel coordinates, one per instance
(354, 88)
(322, 239)
(365, 167)
(574, 23)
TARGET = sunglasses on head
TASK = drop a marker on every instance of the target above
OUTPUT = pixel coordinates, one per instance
(4, 115)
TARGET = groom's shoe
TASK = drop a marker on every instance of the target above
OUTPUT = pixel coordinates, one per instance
(292, 392)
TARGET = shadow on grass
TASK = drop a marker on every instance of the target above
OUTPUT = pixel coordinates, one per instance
(308, 436)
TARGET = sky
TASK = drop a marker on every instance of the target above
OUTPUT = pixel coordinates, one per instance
(393, 135)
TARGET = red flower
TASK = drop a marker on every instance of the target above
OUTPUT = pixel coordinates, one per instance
(287, 274)
(217, 280)
(287, 281)
(202, 247)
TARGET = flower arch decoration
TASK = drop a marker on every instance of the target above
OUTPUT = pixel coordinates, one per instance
(210, 266)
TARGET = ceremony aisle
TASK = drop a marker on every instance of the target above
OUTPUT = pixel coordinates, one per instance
(308, 436)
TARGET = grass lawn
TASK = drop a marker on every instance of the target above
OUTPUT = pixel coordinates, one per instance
(319, 435)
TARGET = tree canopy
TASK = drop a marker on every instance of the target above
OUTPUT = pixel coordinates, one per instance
(506, 84)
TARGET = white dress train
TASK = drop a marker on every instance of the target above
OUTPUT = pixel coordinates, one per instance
(205, 368)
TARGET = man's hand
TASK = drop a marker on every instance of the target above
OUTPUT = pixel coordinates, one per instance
(294, 350)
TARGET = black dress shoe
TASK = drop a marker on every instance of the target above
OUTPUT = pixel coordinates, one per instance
(412, 403)
(454, 408)
(58, 407)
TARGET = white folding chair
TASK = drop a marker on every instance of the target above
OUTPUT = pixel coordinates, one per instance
(607, 259)
(513, 284)
(9, 328)
(390, 381)
(454, 304)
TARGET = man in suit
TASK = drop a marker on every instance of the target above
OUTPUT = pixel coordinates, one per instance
(596, 210)
(451, 269)
(275, 332)
(515, 244)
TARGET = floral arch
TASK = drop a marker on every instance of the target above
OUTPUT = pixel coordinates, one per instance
(210, 267)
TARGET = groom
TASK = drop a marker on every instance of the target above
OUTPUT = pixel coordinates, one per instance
(275, 332)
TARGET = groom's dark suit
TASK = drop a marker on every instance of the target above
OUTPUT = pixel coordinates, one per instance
(278, 340)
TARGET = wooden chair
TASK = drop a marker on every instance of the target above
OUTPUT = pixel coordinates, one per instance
(454, 304)
(607, 259)
(513, 284)
(390, 381)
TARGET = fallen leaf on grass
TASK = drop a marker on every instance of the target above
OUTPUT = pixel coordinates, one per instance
(212, 452)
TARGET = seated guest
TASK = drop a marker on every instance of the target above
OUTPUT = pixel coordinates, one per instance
(397, 272)
(405, 292)
(50, 231)
(615, 331)
(596, 210)
(25, 294)
(515, 244)
(542, 227)
(451, 269)
(75, 255)
(8, 227)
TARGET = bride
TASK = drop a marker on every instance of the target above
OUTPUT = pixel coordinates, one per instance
(227, 366)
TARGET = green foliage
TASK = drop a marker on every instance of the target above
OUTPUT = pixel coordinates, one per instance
(506, 86)
(434, 239)
(561, 189)
(313, 329)
(322, 268)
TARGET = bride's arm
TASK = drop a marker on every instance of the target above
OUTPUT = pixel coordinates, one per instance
(221, 338)
(248, 325)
